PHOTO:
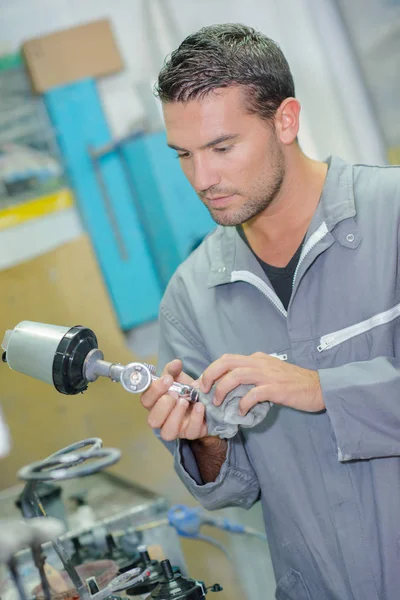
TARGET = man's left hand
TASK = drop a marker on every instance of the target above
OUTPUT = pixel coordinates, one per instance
(274, 381)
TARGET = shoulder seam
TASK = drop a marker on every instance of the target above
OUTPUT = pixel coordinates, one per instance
(376, 166)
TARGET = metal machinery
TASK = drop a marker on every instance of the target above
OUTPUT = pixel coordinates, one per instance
(134, 572)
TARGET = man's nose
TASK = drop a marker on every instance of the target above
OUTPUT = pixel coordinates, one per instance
(204, 176)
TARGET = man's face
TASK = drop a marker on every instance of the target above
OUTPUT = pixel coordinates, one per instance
(232, 159)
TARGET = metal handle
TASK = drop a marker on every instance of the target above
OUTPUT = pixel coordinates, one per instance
(122, 249)
(135, 377)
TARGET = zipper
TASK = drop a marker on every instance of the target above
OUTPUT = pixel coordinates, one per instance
(280, 356)
(255, 281)
(338, 337)
(249, 277)
(312, 241)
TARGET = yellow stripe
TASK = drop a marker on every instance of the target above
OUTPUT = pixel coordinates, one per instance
(15, 215)
(394, 155)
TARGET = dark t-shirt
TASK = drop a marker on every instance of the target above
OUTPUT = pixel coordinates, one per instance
(281, 278)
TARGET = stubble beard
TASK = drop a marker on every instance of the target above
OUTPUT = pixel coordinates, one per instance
(257, 201)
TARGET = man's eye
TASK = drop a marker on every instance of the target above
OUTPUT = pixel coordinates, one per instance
(223, 149)
(184, 155)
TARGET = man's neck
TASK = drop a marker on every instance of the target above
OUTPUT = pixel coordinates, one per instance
(275, 234)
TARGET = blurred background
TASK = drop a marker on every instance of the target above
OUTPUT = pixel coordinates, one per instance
(95, 214)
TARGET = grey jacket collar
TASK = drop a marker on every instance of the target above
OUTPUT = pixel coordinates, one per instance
(230, 253)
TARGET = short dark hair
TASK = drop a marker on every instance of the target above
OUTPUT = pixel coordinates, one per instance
(220, 56)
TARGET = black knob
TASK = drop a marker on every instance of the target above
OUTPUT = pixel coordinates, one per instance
(92, 585)
(145, 555)
(167, 570)
(216, 588)
(111, 545)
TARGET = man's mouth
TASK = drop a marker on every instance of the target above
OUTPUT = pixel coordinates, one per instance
(219, 201)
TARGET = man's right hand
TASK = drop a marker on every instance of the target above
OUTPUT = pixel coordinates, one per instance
(175, 417)
(179, 419)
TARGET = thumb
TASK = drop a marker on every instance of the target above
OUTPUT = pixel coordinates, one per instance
(173, 368)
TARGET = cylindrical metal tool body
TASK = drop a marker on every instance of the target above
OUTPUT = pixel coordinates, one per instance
(30, 348)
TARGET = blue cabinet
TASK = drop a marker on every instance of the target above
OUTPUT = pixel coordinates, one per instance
(105, 202)
(176, 220)
(142, 215)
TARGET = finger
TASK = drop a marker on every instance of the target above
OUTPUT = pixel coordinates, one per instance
(219, 367)
(157, 389)
(231, 380)
(196, 425)
(256, 395)
(161, 411)
(173, 425)
(174, 368)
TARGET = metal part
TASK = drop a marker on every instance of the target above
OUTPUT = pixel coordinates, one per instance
(108, 204)
(39, 561)
(17, 579)
(134, 377)
(65, 464)
(173, 586)
(155, 573)
(69, 359)
(184, 390)
(18, 535)
(121, 583)
(117, 146)
(50, 353)
(92, 585)
(90, 366)
(31, 347)
(139, 377)
(95, 367)
(55, 469)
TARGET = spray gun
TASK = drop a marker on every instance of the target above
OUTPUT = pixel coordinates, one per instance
(69, 359)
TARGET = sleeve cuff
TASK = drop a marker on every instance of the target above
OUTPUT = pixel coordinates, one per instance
(186, 461)
(186, 464)
(236, 484)
(333, 402)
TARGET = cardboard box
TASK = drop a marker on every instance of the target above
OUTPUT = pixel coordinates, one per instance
(60, 58)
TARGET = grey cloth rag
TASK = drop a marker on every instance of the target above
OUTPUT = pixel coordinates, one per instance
(224, 421)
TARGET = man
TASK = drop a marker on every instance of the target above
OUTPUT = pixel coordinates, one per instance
(304, 266)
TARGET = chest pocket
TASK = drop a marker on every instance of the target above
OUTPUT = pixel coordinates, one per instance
(331, 340)
(292, 587)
